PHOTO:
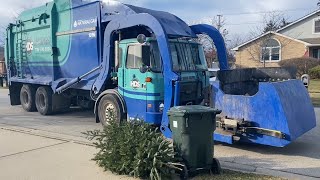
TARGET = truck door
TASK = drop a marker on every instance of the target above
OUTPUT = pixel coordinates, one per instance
(134, 89)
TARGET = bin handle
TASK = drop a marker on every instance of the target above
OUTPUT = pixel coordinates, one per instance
(187, 123)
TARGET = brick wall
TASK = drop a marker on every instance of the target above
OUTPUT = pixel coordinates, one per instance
(2, 68)
(2, 64)
(249, 55)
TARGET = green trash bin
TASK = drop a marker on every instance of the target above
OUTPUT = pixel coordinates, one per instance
(192, 133)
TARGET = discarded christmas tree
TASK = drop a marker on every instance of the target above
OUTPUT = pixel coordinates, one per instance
(133, 148)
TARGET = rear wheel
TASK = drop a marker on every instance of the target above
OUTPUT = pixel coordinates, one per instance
(27, 98)
(109, 109)
(44, 100)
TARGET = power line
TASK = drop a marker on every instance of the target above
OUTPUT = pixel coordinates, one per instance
(264, 12)
(246, 23)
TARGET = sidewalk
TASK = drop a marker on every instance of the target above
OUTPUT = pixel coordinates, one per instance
(30, 157)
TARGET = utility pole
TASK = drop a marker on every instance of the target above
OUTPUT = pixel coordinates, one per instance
(219, 22)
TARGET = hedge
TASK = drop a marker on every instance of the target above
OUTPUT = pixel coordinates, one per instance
(303, 64)
(315, 72)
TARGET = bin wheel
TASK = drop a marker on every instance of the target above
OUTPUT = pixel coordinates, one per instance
(184, 174)
(216, 167)
(27, 98)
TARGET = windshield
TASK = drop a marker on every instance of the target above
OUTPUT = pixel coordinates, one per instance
(185, 57)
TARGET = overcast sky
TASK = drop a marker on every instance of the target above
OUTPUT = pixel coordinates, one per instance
(241, 15)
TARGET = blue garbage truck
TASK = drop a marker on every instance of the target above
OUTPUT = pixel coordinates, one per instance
(132, 61)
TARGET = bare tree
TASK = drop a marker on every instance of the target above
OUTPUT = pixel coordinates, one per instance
(218, 22)
(14, 17)
(236, 40)
(272, 22)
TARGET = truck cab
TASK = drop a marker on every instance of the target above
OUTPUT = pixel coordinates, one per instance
(140, 76)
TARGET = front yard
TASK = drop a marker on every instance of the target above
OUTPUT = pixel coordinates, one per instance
(233, 175)
(314, 91)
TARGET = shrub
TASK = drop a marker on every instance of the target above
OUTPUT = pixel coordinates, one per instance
(133, 148)
(238, 66)
(303, 64)
(315, 72)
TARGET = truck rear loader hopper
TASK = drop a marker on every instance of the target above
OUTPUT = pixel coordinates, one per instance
(265, 106)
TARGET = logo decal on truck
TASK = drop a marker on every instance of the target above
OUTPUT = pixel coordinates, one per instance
(29, 47)
(75, 24)
(135, 83)
(83, 22)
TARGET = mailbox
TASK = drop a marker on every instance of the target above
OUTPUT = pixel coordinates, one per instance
(305, 80)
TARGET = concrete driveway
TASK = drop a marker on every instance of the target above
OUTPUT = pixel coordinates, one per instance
(300, 160)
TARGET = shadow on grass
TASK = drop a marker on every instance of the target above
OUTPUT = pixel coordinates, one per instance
(227, 174)
(315, 97)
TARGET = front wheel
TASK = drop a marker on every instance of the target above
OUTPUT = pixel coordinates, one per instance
(109, 109)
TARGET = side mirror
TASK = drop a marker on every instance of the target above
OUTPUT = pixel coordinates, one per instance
(146, 55)
(143, 69)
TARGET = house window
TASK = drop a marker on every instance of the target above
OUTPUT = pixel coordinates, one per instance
(316, 53)
(317, 26)
(271, 51)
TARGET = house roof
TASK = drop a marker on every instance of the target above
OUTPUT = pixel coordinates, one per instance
(277, 32)
(299, 20)
(270, 32)
(312, 41)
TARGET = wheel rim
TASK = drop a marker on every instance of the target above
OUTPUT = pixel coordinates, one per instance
(109, 113)
(25, 98)
(42, 102)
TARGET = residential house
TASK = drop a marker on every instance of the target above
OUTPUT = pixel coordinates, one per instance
(300, 38)
(2, 64)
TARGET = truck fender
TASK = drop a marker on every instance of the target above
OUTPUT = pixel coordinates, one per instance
(109, 91)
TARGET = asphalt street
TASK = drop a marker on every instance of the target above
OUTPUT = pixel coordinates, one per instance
(300, 160)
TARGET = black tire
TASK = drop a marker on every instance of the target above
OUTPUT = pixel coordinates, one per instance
(27, 98)
(216, 167)
(44, 100)
(108, 103)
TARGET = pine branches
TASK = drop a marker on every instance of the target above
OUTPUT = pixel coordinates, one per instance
(133, 148)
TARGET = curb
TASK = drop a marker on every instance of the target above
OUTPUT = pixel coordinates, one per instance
(263, 171)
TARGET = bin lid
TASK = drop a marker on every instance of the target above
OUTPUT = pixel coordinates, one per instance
(194, 109)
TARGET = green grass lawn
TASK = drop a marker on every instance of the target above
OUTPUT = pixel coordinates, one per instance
(230, 175)
(314, 86)
(314, 90)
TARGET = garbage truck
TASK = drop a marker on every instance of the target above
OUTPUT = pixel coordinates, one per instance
(132, 61)
(135, 62)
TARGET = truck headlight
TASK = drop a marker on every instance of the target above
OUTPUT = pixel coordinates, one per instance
(161, 107)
